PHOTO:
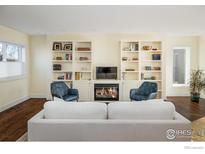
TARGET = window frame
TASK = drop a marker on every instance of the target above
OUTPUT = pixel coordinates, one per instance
(21, 52)
(187, 66)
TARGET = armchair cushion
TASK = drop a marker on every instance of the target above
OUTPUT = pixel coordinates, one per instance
(73, 92)
(152, 96)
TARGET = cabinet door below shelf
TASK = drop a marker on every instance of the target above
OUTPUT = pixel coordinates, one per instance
(84, 89)
(127, 86)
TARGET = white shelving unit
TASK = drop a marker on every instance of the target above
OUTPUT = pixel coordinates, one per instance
(83, 60)
(74, 58)
(147, 63)
(129, 60)
(136, 65)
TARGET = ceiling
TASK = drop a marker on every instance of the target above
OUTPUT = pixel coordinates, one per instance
(104, 19)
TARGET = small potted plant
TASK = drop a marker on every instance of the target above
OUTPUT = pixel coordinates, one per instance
(197, 84)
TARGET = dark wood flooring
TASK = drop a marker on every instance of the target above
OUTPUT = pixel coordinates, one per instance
(188, 109)
(13, 122)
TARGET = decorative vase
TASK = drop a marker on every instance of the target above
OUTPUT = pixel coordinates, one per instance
(195, 97)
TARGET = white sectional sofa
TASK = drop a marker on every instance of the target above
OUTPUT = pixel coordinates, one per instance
(119, 121)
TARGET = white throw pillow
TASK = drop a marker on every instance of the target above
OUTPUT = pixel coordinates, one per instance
(68, 110)
(141, 111)
(56, 99)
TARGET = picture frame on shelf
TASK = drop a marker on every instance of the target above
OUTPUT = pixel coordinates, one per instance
(156, 56)
(57, 46)
(57, 67)
(68, 47)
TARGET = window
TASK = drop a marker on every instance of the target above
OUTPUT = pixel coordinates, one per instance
(12, 52)
(12, 60)
(181, 66)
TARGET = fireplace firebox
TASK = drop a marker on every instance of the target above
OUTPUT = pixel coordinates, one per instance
(106, 92)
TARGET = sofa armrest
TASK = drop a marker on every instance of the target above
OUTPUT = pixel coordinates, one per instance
(179, 117)
(38, 116)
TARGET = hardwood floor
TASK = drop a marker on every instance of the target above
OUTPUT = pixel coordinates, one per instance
(188, 109)
(13, 122)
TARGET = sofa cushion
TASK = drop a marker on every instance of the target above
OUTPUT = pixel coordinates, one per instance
(83, 110)
(141, 110)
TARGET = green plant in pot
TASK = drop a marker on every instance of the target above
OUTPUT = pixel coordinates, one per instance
(197, 84)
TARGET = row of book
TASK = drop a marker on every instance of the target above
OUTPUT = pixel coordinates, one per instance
(65, 76)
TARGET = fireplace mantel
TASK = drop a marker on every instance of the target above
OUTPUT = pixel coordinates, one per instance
(106, 81)
(86, 88)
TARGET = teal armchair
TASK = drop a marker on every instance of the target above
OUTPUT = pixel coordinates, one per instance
(148, 90)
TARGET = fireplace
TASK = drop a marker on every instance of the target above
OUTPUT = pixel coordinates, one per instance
(106, 92)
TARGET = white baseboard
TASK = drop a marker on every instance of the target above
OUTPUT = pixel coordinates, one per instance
(13, 103)
(36, 95)
(177, 95)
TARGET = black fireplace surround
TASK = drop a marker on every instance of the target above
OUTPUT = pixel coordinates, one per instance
(106, 92)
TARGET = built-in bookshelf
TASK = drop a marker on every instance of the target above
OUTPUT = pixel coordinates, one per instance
(83, 60)
(142, 61)
(72, 60)
(130, 60)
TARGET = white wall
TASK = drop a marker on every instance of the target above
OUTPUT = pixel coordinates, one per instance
(186, 41)
(39, 66)
(14, 91)
(202, 57)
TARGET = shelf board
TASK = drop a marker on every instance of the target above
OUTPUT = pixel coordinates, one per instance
(83, 61)
(131, 61)
(83, 51)
(83, 71)
(62, 71)
(83, 80)
(63, 80)
(130, 51)
(130, 71)
(152, 80)
(62, 51)
(62, 61)
(152, 71)
(156, 61)
(150, 51)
